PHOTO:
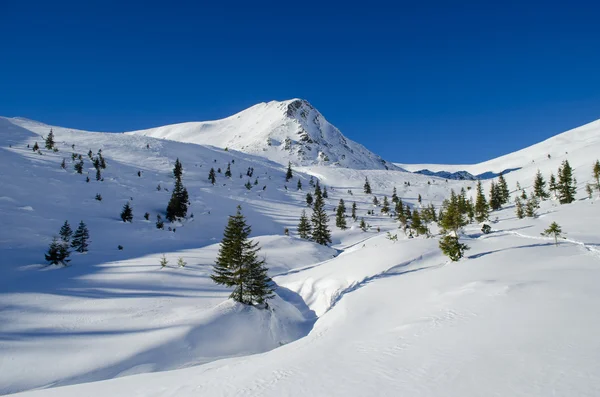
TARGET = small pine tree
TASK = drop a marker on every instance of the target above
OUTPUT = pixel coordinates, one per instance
(127, 213)
(589, 190)
(375, 201)
(503, 191)
(340, 216)
(596, 174)
(363, 225)
(91, 155)
(367, 186)
(416, 223)
(178, 204)
(519, 211)
(531, 206)
(552, 185)
(238, 266)
(311, 182)
(482, 208)
(495, 197)
(248, 185)
(147, 216)
(354, 211)
(58, 253)
(385, 208)
(566, 184)
(66, 232)
(299, 185)
(98, 197)
(98, 174)
(452, 248)
(309, 199)
(36, 147)
(163, 261)
(320, 230)
(289, 174)
(81, 238)
(79, 167)
(419, 199)
(304, 228)
(212, 177)
(539, 187)
(394, 196)
(325, 195)
(523, 194)
(102, 161)
(228, 171)
(63, 164)
(554, 230)
(160, 224)
(50, 140)
(181, 262)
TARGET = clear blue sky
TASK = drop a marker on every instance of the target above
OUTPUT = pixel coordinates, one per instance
(413, 81)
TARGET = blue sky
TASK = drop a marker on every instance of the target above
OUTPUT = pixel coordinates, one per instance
(412, 81)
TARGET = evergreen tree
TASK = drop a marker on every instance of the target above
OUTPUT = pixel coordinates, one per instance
(35, 147)
(163, 261)
(90, 155)
(375, 201)
(503, 191)
(58, 253)
(66, 232)
(394, 196)
(311, 182)
(552, 185)
(385, 208)
(159, 222)
(325, 195)
(63, 164)
(228, 170)
(519, 211)
(79, 167)
(554, 230)
(238, 266)
(419, 199)
(177, 169)
(367, 186)
(363, 225)
(50, 140)
(102, 161)
(178, 204)
(304, 228)
(96, 162)
(452, 248)
(309, 199)
(354, 211)
(181, 262)
(589, 190)
(453, 219)
(340, 216)
(495, 197)
(320, 231)
(127, 213)
(539, 186)
(212, 177)
(248, 185)
(98, 174)
(98, 197)
(299, 185)
(416, 223)
(289, 174)
(566, 185)
(523, 194)
(482, 208)
(531, 206)
(596, 173)
(81, 238)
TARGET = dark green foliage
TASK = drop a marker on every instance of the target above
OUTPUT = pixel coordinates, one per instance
(256, 181)
(120, 247)
(102, 161)
(66, 232)
(523, 194)
(248, 185)
(80, 238)
(531, 206)
(503, 190)
(554, 230)
(519, 210)
(304, 228)
(325, 195)
(299, 185)
(63, 164)
(539, 187)
(91, 154)
(87, 179)
(320, 230)
(147, 216)
(228, 171)
(363, 225)
(596, 174)
(552, 184)
(419, 199)
(96, 162)
(452, 247)
(238, 266)
(36, 147)
(385, 208)
(177, 169)
(453, 219)
(482, 209)
(79, 167)
(309, 199)
(127, 213)
(212, 177)
(566, 186)
(354, 211)
(340, 215)
(486, 229)
(375, 201)
(367, 186)
(589, 190)
(178, 204)
(98, 174)
(289, 174)
(58, 252)
(495, 197)
(311, 182)
(416, 223)
(159, 222)
(394, 196)
(163, 261)
(98, 197)
(50, 140)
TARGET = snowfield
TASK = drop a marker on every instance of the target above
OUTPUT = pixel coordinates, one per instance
(517, 316)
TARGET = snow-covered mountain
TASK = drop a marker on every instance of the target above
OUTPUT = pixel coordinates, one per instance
(291, 130)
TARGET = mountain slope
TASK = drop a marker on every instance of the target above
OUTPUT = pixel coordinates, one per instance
(284, 131)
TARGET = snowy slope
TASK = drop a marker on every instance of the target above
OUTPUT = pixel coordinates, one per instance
(365, 316)
(291, 130)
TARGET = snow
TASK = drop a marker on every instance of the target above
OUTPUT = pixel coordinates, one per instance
(366, 316)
